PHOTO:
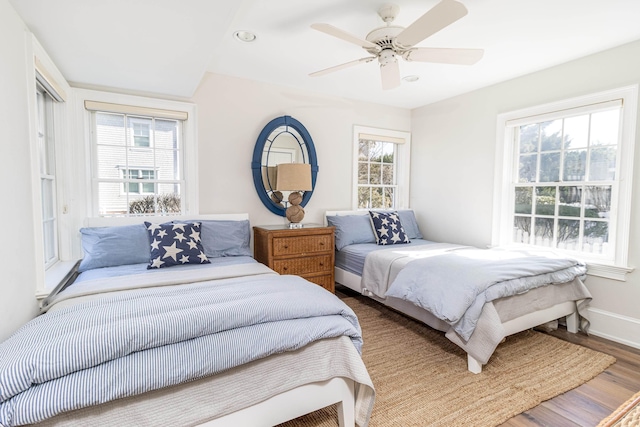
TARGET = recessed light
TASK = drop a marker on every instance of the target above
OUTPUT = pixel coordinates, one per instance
(411, 79)
(244, 36)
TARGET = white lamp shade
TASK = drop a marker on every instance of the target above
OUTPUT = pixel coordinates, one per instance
(293, 177)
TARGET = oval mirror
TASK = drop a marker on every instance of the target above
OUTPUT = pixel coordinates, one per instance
(283, 140)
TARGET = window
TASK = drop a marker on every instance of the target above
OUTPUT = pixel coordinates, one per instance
(139, 175)
(139, 163)
(46, 160)
(52, 174)
(564, 179)
(382, 168)
(141, 132)
(144, 154)
(376, 174)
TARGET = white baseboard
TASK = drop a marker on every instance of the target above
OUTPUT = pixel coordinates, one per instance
(615, 327)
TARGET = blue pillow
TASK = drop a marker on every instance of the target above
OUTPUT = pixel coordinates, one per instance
(408, 219)
(388, 228)
(175, 243)
(222, 238)
(113, 246)
(351, 229)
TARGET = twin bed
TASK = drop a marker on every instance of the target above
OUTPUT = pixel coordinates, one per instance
(215, 340)
(448, 286)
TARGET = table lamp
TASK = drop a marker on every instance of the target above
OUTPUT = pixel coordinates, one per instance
(294, 177)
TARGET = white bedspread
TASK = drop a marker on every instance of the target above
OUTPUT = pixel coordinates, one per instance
(454, 286)
(90, 289)
(382, 266)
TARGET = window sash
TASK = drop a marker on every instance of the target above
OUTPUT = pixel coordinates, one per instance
(557, 149)
(46, 157)
(135, 181)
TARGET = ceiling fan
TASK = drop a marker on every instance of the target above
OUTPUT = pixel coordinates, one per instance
(389, 42)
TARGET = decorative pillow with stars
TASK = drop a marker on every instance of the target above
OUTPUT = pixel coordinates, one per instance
(175, 244)
(387, 228)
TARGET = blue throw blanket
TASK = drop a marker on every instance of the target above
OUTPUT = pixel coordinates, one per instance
(127, 343)
(455, 286)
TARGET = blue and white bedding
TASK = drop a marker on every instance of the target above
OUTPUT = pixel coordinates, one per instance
(455, 285)
(411, 266)
(351, 258)
(90, 349)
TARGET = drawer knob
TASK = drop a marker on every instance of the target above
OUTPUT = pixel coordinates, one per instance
(285, 268)
(286, 246)
(321, 264)
(321, 243)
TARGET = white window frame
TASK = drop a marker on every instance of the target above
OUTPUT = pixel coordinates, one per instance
(139, 105)
(503, 203)
(42, 70)
(402, 162)
(45, 105)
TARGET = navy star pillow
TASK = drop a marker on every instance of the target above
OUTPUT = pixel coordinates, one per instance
(175, 244)
(388, 228)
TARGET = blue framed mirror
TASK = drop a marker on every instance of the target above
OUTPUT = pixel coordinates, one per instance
(283, 140)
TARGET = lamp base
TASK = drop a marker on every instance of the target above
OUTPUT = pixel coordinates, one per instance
(295, 225)
(295, 212)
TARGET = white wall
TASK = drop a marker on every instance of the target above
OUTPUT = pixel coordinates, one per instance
(231, 114)
(18, 278)
(453, 156)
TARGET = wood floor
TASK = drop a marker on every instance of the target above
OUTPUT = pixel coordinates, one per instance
(589, 403)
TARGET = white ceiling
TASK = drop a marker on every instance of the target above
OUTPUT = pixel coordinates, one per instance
(165, 46)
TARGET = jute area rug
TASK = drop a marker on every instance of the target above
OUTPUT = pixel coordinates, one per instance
(627, 415)
(421, 378)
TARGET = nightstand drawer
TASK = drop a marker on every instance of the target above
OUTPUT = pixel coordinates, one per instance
(325, 280)
(313, 264)
(301, 245)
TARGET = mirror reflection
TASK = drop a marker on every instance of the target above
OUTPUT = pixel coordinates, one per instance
(283, 145)
(283, 141)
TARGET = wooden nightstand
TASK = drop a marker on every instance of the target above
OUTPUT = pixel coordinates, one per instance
(307, 252)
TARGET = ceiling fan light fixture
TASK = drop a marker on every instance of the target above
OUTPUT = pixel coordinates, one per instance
(245, 36)
(410, 79)
(387, 56)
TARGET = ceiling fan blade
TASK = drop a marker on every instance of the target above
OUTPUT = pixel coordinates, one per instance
(343, 35)
(441, 15)
(390, 75)
(342, 66)
(444, 55)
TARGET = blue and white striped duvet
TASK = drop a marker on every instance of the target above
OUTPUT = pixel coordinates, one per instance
(130, 342)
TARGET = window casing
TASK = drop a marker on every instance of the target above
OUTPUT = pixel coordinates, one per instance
(564, 178)
(381, 165)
